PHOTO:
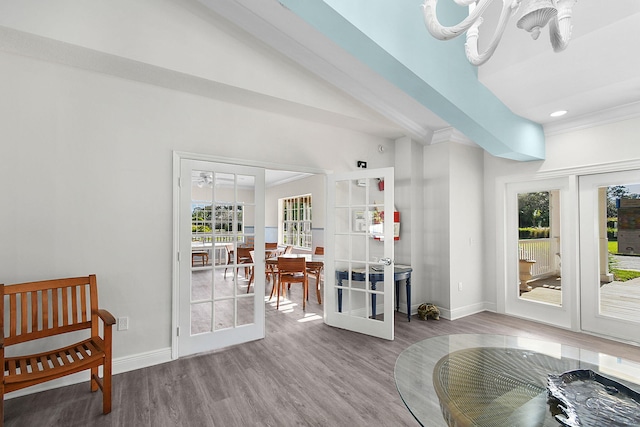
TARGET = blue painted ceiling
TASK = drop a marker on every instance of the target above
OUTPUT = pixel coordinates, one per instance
(390, 38)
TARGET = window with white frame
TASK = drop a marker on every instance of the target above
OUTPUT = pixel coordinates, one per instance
(217, 223)
(295, 223)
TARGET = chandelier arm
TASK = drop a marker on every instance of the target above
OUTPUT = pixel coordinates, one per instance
(441, 32)
(560, 26)
(471, 46)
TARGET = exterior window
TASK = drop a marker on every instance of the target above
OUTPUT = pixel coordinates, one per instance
(205, 226)
(296, 221)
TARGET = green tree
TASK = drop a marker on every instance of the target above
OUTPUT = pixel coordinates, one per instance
(533, 209)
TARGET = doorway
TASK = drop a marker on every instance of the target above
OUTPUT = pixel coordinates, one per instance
(609, 246)
(224, 200)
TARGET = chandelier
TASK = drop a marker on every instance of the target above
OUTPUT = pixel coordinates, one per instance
(533, 15)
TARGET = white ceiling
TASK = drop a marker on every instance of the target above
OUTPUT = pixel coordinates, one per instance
(597, 78)
(600, 70)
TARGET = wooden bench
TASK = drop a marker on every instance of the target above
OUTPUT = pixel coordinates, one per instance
(45, 309)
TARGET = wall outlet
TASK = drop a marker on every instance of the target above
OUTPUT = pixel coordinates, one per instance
(123, 323)
(459, 286)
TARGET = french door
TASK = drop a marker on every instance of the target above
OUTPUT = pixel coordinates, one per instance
(540, 284)
(221, 288)
(360, 240)
(609, 244)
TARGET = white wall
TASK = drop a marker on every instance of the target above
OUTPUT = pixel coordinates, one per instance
(86, 162)
(437, 222)
(409, 201)
(465, 227)
(314, 185)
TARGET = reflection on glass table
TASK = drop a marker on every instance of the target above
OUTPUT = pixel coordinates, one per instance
(494, 380)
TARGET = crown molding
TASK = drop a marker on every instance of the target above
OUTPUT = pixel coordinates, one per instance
(600, 118)
(451, 135)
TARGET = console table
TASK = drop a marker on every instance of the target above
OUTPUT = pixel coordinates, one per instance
(400, 273)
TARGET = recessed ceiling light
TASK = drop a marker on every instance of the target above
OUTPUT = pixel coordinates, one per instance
(558, 113)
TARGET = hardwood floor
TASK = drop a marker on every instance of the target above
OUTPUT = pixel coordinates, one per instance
(303, 373)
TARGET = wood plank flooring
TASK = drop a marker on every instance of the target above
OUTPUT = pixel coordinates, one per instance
(303, 373)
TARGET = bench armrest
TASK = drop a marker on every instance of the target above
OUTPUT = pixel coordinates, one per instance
(106, 317)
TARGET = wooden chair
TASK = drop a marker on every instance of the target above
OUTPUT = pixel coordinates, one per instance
(48, 308)
(244, 257)
(203, 255)
(230, 257)
(251, 253)
(292, 270)
(315, 272)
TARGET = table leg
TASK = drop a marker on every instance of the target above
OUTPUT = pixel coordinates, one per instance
(340, 296)
(397, 295)
(373, 300)
(409, 298)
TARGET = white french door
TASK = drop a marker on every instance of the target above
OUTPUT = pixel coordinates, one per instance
(221, 214)
(360, 237)
(610, 304)
(534, 260)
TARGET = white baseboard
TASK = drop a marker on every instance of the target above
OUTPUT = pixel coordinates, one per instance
(465, 311)
(120, 365)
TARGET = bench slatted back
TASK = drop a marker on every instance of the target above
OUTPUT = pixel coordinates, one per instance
(42, 309)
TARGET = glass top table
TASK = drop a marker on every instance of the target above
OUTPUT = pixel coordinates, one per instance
(495, 380)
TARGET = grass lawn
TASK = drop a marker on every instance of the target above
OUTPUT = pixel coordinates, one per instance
(620, 275)
(624, 275)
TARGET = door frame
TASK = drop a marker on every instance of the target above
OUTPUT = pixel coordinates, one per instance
(566, 314)
(177, 157)
(592, 320)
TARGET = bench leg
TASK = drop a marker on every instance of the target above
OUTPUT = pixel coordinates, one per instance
(2, 403)
(106, 372)
(94, 379)
(106, 390)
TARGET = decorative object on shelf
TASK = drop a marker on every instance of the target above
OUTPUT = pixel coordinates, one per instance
(533, 16)
(428, 311)
(586, 398)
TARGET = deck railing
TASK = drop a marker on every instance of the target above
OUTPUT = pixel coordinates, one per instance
(545, 253)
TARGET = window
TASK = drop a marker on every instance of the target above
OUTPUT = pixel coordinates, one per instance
(296, 221)
(204, 225)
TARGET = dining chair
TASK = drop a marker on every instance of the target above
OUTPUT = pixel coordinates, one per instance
(244, 257)
(314, 271)
(230, 257)
(251, 254)
(292, 270)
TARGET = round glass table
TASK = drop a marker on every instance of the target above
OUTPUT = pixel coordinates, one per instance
(497, 380)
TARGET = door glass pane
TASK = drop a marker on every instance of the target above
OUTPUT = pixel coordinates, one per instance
(245, 311)
(201, 317)
(619, 266)
(539, 257)
(224, 311)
